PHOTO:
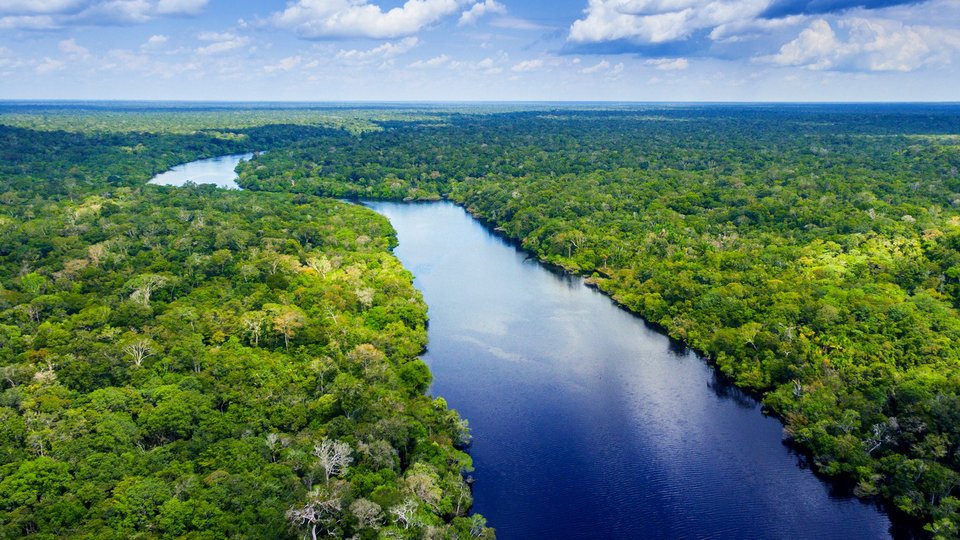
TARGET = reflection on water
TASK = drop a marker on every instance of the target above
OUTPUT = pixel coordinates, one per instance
(219, 170)
(589, 423)
(724, 389)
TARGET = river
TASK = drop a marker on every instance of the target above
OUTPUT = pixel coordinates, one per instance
(587, 423)
(219, 170)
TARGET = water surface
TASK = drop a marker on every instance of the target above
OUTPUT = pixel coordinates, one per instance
(219, 170)
(587, 423)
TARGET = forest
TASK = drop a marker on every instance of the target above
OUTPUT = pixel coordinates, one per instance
(166, 350)
(811, 252)
(199, 363)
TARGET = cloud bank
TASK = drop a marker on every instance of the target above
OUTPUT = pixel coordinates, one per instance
(56, 14)
(847, 35)
(325, 19)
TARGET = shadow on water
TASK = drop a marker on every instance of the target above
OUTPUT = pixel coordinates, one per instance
(724, 389)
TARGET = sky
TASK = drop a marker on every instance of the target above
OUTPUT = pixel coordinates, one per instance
(481, 50)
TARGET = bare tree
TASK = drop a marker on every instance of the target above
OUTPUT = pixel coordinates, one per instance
(9, 373)
(423, 486)
(478, 525)
(277, 262)
(320, 265)
(287, 320)
(139, 351)
(406, 513)
(323, 368)
(322, 510)
(572, 240)
(248, 271)
(144, 285)
(97, 252)
(880, 436)
(252, 322)
(334, 457)
(365, 296)
(464, 498)
(368, 513)
(276, 442)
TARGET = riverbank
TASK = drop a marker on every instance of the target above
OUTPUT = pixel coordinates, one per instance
(554, 377)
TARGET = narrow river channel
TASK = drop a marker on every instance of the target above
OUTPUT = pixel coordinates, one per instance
(220, 171)
(587, 423)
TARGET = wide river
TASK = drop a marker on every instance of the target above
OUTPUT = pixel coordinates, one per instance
(586, 422)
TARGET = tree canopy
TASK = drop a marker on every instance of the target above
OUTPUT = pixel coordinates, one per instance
(810, 252)
(194, 362)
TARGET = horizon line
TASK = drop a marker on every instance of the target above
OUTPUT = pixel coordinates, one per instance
(467, 102)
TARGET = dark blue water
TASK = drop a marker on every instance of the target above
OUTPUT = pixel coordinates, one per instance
(586, 422)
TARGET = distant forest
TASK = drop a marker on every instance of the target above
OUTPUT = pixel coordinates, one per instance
(811, 252)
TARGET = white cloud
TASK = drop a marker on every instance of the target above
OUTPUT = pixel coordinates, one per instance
(125, 62)
(154, 42)
(33, 7)
(847, 37)
(122, 60)
(599, 66)
(436, 61)
(487, 66)
(745, 29)
(606, 69)
(658, 21)
(869, 45)
(885, 45)
(513, 23)
(478, 10)
(28, 22)
(180, 7)
(72, 50)
(817, 47)
(8, 60)
(383, 52)
(216, 36)
(49, 65)
(318, 19)
(527, 65)
(285, 64)
(668, 64)
(51, 14)
(220, 43)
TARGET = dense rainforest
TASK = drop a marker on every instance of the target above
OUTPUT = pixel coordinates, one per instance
(167, 353)
(200, 363)
(811, 252)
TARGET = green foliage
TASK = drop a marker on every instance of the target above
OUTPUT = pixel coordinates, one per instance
(170, 359)
(811, 252)
(182, 352)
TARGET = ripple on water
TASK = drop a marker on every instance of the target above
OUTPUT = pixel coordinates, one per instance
(586, 422)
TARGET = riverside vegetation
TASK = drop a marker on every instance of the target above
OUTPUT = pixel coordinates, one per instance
(200, 363)
(811, 252)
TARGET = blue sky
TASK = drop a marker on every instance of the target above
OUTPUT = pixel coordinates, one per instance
(453, 50)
